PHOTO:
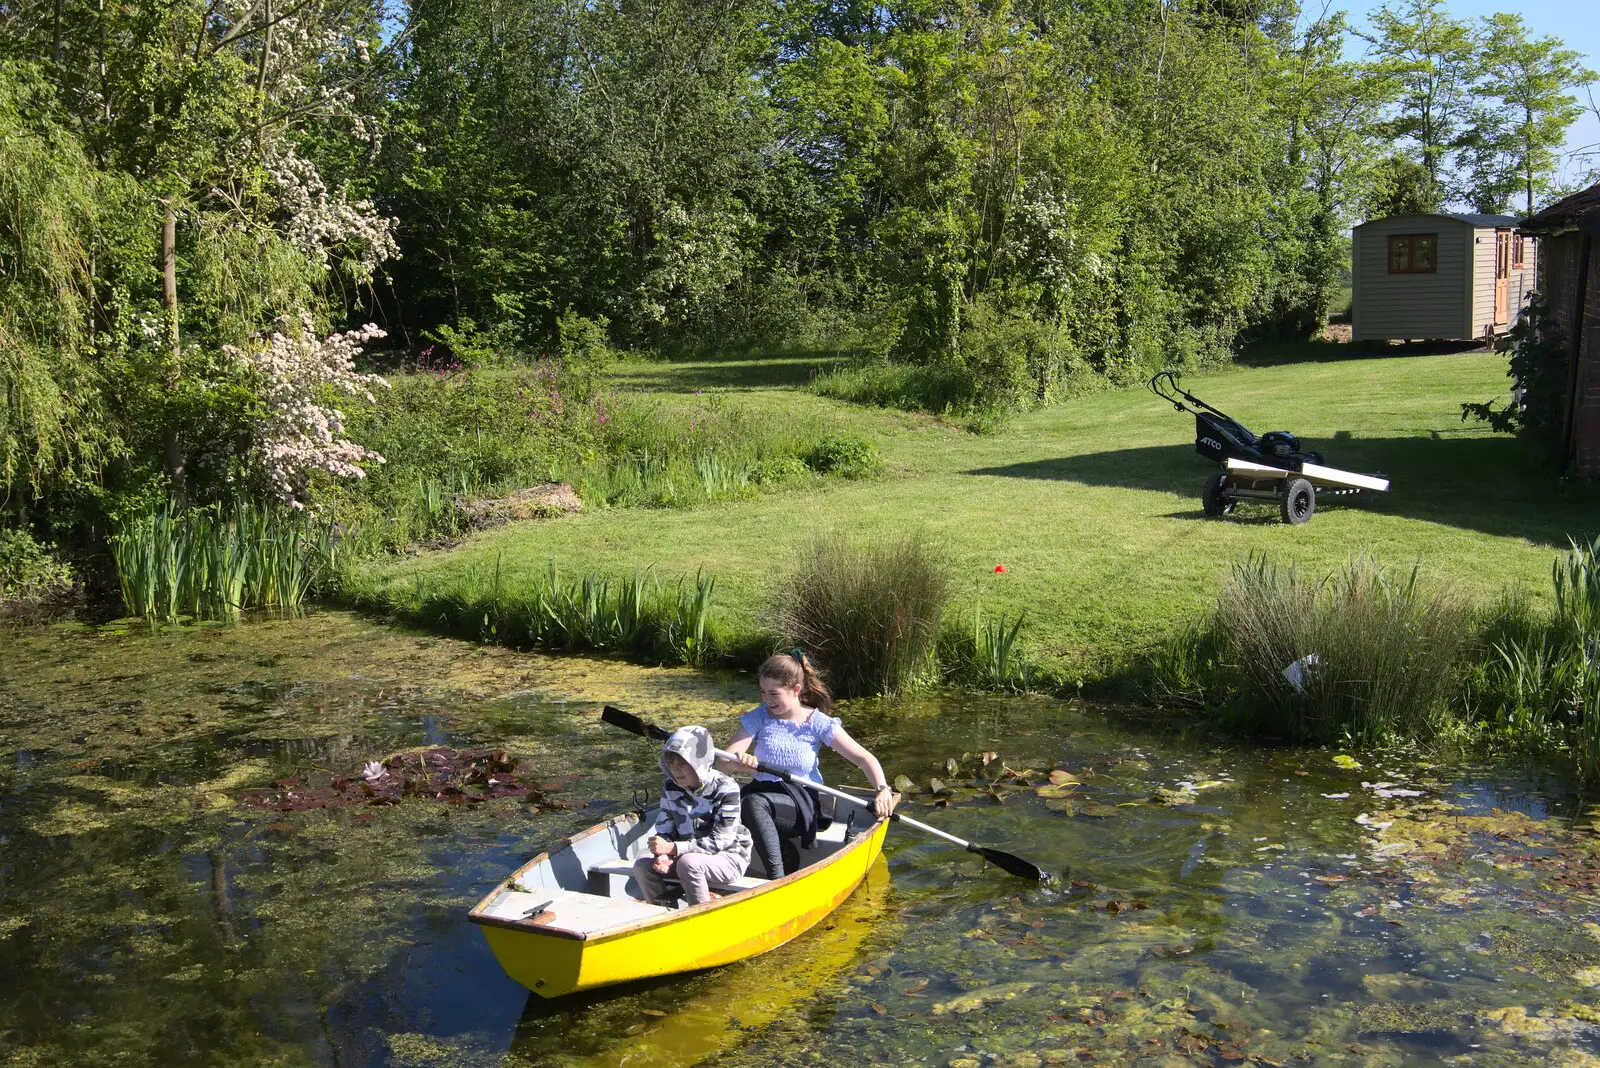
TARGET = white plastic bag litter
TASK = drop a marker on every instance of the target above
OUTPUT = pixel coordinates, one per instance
(1299, 672)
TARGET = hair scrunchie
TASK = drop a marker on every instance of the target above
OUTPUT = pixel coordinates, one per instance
(799, 654)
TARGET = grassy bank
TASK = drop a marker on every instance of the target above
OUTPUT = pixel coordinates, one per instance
(1093, 508)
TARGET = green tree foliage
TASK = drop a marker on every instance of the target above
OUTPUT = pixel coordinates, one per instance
(988, 200)
(163, 205)
(1427, 57)
(1525, 106)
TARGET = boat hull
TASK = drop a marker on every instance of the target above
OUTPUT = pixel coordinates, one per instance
(734, 927)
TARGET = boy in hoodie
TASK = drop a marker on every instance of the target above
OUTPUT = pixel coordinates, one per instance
(699, 837)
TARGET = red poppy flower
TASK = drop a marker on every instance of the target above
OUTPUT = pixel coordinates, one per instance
(999, 569)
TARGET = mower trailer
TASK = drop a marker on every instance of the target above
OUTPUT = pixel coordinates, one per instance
(1268, 467)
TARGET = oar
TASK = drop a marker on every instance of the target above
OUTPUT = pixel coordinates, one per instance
(1013, 864)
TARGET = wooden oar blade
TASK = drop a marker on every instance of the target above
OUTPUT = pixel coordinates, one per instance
(1013, 865)
(632, 723)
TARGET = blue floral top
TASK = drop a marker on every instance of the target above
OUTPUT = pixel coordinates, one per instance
(791, 746)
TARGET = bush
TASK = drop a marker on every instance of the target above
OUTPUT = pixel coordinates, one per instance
(30, 571)
(868, 612)
(882, 384)
(847, 457)
(460, 433)
(1379, 659)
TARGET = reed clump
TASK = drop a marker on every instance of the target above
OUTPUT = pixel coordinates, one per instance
(988, 653)
(867, 611)
(1538, 684)
(1362, 655)
(638, 616)
(214, 562)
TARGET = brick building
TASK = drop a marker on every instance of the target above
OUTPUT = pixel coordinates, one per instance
(1569, 280)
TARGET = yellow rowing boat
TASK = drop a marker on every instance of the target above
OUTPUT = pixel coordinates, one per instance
(573, 919)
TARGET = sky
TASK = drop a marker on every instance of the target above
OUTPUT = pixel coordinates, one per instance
(1576, 22)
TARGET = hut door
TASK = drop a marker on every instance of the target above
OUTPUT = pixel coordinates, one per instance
(1502, 272)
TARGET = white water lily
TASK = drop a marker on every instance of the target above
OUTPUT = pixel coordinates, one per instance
(373, 771)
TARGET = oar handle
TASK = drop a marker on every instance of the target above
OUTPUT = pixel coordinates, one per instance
(786, 776)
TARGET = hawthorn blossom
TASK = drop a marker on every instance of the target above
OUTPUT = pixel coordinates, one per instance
(298, 435)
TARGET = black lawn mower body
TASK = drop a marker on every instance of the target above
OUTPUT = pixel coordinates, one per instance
(1218, 436)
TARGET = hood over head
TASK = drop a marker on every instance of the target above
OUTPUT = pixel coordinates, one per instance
(692, 744)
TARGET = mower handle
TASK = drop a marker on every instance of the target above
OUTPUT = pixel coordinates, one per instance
(1169, 384)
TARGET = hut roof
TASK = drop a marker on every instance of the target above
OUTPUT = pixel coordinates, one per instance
(1481, 220)
(1567, 213)
(1466, 217)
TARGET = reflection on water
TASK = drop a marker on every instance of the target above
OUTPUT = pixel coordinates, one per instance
(1221, 904)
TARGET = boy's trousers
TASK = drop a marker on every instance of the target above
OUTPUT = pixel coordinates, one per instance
(695, 871)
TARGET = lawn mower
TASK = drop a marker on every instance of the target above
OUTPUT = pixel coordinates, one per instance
(1265, 467)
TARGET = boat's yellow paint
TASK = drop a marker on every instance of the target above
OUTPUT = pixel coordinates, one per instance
(698, 1025)
(718, 932)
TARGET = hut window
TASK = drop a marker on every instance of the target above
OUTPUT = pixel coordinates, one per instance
(1517, 251)
(1413, 253)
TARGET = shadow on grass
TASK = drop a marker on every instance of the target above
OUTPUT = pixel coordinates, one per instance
(1491, 485)
(752, 373)
(1280, 353)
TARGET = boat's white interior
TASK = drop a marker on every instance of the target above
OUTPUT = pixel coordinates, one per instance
(588, 886)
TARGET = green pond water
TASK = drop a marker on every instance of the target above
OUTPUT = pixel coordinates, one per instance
(1218, 904)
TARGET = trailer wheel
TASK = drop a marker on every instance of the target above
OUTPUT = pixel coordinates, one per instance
(1299, 501)
(1214, 498)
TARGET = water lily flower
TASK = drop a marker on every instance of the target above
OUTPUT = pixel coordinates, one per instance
(374, 772)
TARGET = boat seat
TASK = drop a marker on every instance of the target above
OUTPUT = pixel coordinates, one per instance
(571, 910)
(624, 868)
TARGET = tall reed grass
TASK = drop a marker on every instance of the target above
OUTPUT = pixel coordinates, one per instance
(867, 611)
(638, 616)
(1378, 657)
(212, 563)
(989, 654)
(1539, 683)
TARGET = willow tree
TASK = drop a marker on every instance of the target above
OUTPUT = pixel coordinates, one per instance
(200, 111)
(55, 209)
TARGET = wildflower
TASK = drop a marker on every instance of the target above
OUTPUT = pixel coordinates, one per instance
(999, 569)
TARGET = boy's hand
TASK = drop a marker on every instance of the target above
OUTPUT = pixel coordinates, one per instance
(661, 847)
(662, 865)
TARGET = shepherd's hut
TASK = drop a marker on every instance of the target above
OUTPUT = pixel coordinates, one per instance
(1569, 272)
(1438, 277)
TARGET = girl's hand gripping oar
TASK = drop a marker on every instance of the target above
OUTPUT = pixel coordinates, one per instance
(1013, 864)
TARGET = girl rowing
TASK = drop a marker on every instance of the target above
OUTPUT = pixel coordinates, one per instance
(788, 729)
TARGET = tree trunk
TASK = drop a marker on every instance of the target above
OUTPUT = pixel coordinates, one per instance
(169, 294)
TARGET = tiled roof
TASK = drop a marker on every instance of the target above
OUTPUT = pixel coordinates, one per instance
(1566, 212)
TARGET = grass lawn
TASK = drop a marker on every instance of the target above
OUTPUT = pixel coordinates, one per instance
(1093, 507)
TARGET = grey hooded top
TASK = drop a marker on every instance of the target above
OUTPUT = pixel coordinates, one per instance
(704, 819)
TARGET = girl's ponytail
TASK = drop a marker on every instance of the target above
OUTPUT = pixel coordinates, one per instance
(794, 668)
(813, 691)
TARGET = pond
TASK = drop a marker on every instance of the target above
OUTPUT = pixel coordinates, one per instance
(1217, 903)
